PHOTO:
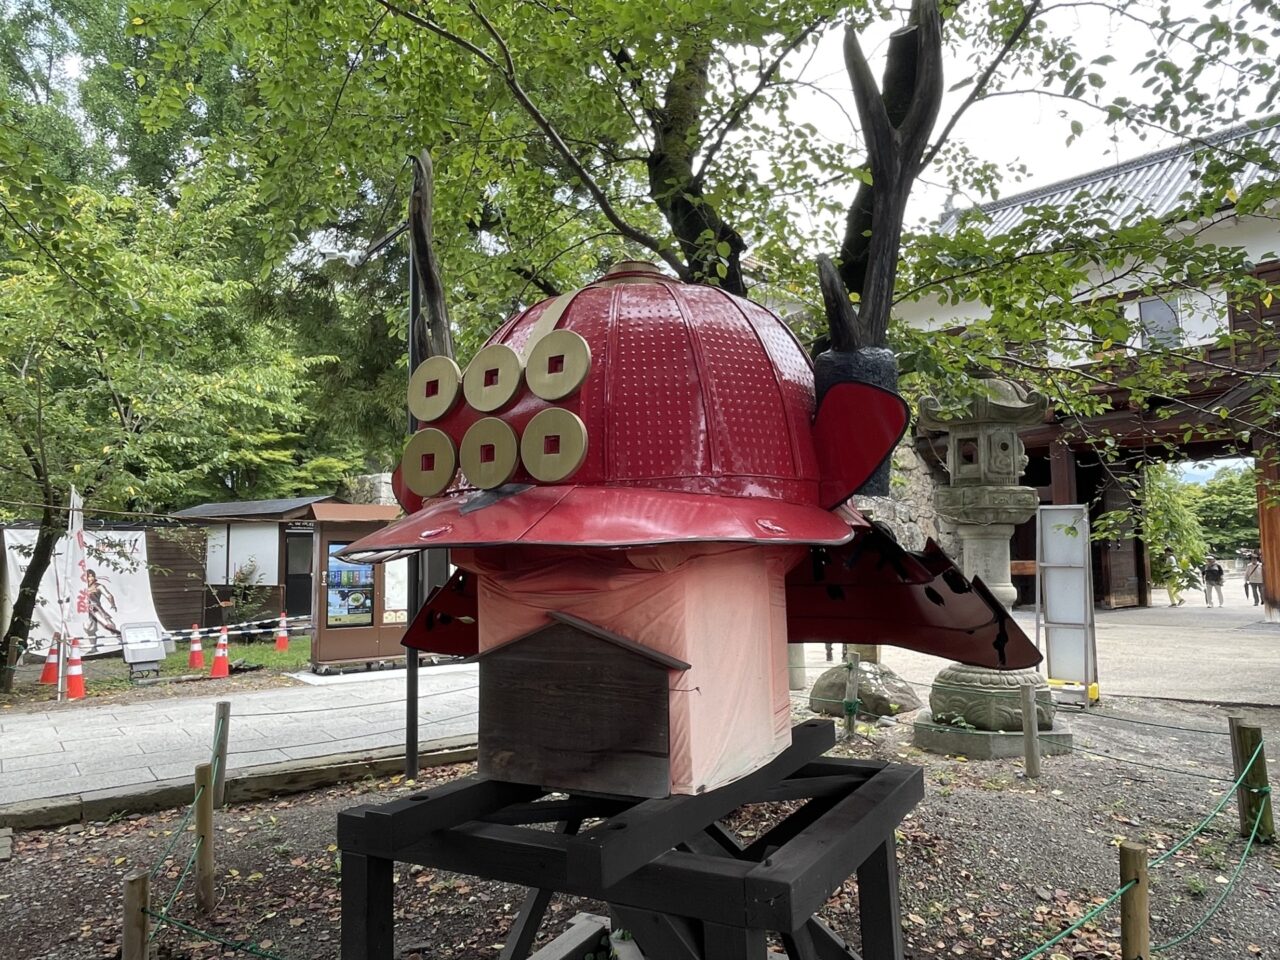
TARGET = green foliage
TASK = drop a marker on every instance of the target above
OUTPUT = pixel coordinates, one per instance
(1168, 520)
(1227, 509)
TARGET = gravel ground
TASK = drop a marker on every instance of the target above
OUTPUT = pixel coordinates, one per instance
(992, 865)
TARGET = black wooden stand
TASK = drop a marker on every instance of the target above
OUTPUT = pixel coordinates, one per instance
(683, 885)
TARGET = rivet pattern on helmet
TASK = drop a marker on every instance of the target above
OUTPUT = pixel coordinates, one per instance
(658, 421)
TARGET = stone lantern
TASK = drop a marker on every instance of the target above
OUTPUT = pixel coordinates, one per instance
(985, 458)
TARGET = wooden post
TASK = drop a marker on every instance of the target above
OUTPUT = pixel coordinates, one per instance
(1237, 768)
(851, 694)
(221, 730)
(204, 837)
(1255, 790)
(137, 925)
(1030, 731)
(796, 666)
(1135, 925)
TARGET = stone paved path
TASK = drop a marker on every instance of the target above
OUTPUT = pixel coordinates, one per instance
(75, 748)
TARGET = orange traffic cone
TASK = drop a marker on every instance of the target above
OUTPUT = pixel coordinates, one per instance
(50, 672)
(195, 657)
(75, 673)
(221, 666)
(282, 634)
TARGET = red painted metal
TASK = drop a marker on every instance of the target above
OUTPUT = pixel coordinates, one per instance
(871, 591)
(877, 417)
(446, 623)
(694, 395)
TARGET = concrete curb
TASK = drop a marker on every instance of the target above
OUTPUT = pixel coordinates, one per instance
(250, 783)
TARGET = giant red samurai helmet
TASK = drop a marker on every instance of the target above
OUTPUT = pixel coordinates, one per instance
(641, 411)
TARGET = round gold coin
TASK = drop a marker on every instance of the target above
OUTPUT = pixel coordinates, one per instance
(558, 364)
(429, 462)
(490, 453)
(554, 445)
(434, 388)
(493, 376)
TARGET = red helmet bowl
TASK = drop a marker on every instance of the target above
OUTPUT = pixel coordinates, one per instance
(699, 417)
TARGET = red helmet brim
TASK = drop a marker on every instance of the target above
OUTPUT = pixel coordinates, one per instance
(595, 516)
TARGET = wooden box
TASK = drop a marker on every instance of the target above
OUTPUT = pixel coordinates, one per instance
(574, 707)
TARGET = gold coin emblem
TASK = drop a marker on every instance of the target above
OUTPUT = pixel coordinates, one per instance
(434, 388)
(554, 445)
(429, 462)
(493, 376)
(490, 453)
(558, 364)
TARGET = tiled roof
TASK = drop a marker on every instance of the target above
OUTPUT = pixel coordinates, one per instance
(1155, 183)
(248, 508)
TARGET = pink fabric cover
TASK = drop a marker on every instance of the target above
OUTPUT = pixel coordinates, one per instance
(719, 607)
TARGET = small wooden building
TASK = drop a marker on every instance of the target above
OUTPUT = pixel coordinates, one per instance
(282, 553)
(576, 707)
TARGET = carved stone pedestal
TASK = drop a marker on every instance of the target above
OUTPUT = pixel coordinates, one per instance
(985, 517)
(978, 712)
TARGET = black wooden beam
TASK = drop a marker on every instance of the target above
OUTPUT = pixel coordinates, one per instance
(385, 828)
(878, 904)
(367, 903)
(620, 845)
(799, 877)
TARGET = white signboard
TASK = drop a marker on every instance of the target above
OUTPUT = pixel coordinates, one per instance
(112, 588)
(1064, 600)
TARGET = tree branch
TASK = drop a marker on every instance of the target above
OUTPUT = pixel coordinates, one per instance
(979, 86)
(506, 70)
(743, 104)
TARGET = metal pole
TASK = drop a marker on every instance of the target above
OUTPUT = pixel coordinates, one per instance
(1030, 731)
(411, 676)
(415, 561)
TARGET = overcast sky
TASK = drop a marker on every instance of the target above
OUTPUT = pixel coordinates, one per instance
(1030, 128)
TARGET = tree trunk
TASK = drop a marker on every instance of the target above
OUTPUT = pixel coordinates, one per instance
(712, 248)
(52, 526)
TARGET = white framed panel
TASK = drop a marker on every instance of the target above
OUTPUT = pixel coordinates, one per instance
(1064, 600)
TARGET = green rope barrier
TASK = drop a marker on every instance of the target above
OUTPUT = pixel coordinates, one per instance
(244, 946)
(1079, 923)
(178, 831)
(1213, 813)
(1152, 766)
(1226, 891)
(178, 886)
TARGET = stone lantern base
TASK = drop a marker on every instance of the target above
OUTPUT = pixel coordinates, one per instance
(977, 712)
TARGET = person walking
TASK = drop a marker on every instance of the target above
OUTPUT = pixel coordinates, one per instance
(1213, 576)
(1253, 578)
(1173, 578)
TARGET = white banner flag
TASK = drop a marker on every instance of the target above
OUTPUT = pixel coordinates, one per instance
(109, 584)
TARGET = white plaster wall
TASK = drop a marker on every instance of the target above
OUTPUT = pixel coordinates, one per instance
(1258, 236)
(256, 544)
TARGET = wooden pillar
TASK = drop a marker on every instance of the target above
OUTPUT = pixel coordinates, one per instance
(1062, 472)
(368, 924)
(1268, 466)
(879, 911)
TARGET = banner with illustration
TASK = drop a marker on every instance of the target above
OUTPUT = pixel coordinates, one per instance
(97, 581)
